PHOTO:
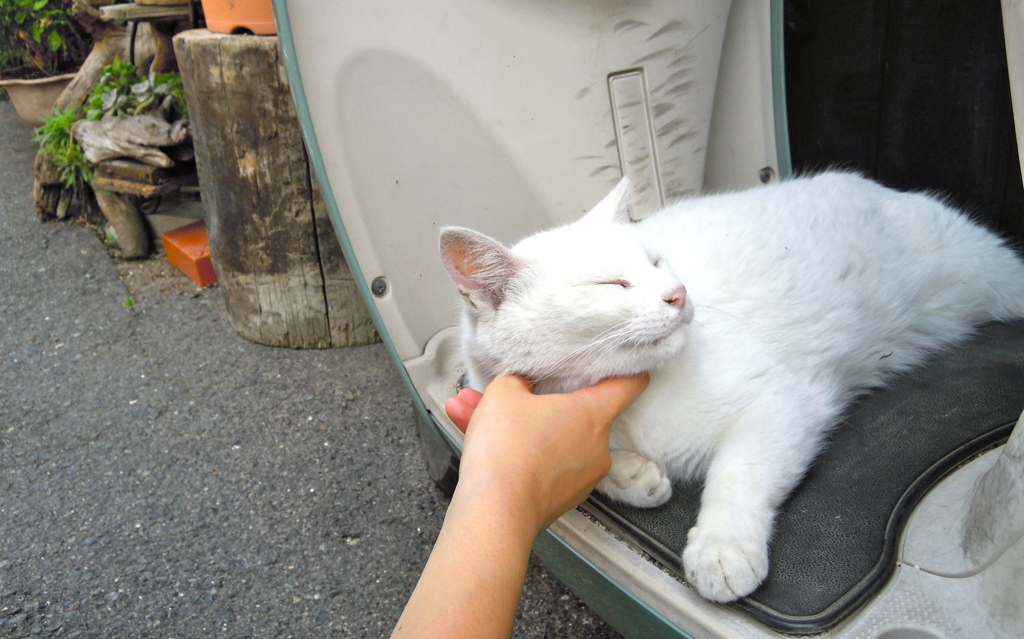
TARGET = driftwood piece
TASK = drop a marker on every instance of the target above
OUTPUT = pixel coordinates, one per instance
(145, 11)
(137, 136)
(115, 181)
(127, 221)
(143, 180)
(125, 169)
(277, 260)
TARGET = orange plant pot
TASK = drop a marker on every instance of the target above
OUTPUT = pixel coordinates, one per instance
(240, 16)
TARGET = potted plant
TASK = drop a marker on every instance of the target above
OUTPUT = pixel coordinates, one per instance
(40, 48)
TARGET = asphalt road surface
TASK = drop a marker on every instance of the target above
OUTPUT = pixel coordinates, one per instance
(160, 476)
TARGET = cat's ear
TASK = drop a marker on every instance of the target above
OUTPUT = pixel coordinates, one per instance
(614, 208)
(481, 266)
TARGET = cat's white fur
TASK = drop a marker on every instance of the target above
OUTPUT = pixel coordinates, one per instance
(798, 296)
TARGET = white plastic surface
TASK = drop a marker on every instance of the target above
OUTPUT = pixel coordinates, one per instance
(498, 116)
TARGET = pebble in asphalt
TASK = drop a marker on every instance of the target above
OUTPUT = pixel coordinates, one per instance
(161, 476)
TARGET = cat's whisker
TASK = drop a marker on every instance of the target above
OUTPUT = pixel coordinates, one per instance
(607, 339)
(597, 348)
(587, 350)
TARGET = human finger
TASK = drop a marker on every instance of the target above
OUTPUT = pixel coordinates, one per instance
(612, 395)
(460, 408)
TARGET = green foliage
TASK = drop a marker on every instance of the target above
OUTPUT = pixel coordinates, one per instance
(38, 38)
(119, 91)
(110, 96)
(170, 84)
(57, 143)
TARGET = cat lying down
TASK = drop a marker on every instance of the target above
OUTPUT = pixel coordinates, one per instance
(760, 315)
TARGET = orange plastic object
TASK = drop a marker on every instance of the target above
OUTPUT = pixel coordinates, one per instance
(188, 248)
(239, 16)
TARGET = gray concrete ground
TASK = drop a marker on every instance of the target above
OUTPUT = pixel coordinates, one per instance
(161, 476)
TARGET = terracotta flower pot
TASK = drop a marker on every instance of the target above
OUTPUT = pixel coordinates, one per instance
(236, 16)
(33, 98)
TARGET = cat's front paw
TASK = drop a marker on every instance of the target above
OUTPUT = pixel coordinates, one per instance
(636, 480)
(724, 568)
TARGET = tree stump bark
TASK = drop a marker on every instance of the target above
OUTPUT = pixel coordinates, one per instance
(277, 259)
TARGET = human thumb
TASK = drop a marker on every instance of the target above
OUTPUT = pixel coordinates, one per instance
(611, 396)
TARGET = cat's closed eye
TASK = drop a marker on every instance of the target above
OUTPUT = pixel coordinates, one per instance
(622, 283)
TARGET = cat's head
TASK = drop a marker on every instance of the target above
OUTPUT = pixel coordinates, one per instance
(568, 306)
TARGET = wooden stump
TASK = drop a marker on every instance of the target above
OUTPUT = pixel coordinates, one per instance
(277, 258)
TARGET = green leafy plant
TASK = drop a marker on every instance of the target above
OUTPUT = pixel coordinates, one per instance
(111, 95)
(119, 91)
(169, 84)
(39, 38)
(57, 143)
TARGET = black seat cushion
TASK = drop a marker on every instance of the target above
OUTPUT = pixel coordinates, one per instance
(836, 536)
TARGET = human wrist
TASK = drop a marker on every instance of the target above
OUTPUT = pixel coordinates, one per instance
(503, 502)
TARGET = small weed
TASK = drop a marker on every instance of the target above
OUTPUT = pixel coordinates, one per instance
(129, 303)
(56, 142)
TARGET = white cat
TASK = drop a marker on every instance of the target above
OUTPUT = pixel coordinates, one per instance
(798, 296)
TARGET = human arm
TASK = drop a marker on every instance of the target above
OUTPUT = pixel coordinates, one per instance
(526, 460)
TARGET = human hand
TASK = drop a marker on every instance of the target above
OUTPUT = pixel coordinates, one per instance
(526, 460)
(541, 455)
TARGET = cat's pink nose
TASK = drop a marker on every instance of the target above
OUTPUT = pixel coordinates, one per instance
(676, 297)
